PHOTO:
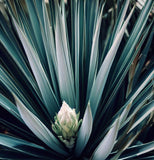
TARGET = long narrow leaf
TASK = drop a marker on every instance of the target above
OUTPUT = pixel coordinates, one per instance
(41, 78)
(11, 45)
(106, 145)
(94, 54)
(114, 86)
(135, 35)
(37, 30)
(143, 113)
(22, 146)
(14, 87)
(120, 20)
(25, 134)
(84, 131)
(137, 150)
(136, 92)
(137, 106)
(77, 53)
(65, 72)
(143, 57)
(9, 106)
(98, 86)
(39, 129)
(49, 43)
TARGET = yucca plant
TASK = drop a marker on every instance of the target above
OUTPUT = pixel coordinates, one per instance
(76, 80)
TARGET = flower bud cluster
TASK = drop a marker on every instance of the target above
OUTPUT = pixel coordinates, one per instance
(66, 125)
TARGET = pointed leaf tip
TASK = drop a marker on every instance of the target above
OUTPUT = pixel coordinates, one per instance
(106, 145)
(84, 131)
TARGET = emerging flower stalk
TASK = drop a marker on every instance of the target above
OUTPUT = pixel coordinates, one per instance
(66, 125)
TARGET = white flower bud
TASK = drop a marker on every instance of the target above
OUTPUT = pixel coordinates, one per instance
(66, 125)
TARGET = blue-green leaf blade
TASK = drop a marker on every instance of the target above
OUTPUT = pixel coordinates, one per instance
(137, 150)
(99, 84)
(65, 70)
(94, 53)
(84, 131)
(39, 129)
(106, 145)
(22, 146)
(41, 78)
(9, 106)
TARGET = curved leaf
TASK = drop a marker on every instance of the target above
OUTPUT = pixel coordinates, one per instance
(14, 87)
(18, 131)
(22, 146)
(39, 129)
(9, 41)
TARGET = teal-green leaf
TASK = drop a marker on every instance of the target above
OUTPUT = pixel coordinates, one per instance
(116, 83)
(36, 26)
(94, 54)
(77, 52)
(9, 106)
(127, 52)
(65, 70)
(84, 131)
(143, 98)
(143, 56)
(137, 91)
(144, 112)
(39, 73)
(14, 88)
(22, 146)
(50, 48)
(99, 84)
(120, 20)
(9, 41)
(137, 150)
(39, 129)
(106, 145)
(19, 131)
